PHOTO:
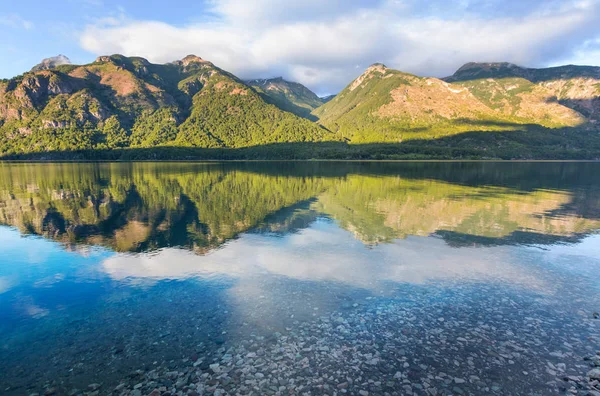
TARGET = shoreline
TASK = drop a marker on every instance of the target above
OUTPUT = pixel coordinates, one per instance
(298, 160)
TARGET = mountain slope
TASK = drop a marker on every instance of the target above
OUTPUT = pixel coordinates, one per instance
(386, 105)
(574, 87)
(227, 113)
(287, 95)
(118, 101)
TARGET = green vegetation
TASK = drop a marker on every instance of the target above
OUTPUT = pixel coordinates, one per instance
(532, 142)
(288, 96)
(507, 91)
(155, 128)
(128, 102)
(227, 113)
(127, 108)
(351, 113)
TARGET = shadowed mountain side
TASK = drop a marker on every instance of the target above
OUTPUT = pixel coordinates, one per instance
(290, 107)
(588, 107)
(287, 95)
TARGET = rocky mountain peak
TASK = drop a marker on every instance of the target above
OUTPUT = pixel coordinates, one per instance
(192, 59)
(51, 63)
(369, 73)
(263, 82)
(377, 66)
(103, 59)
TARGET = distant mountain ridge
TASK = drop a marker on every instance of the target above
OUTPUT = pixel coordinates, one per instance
(327, 98)
(487, 110)
(475, 70)
(289, 96)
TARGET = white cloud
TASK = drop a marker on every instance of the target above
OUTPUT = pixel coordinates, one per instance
(320, 43)
(15, 21)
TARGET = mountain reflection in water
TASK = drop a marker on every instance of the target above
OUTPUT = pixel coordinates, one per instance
(138, 207)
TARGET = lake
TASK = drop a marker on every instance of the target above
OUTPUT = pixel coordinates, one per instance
(425, 278)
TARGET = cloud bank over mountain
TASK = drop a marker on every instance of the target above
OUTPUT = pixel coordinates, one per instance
(325, 44)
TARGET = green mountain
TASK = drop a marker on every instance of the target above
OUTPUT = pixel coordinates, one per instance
(287, 95)
(129, 102)
(391, 106)
(128, 108)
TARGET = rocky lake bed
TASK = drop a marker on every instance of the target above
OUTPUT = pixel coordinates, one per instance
(465, 341)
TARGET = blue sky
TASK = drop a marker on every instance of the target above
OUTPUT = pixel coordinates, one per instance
(37, 29)
(323, 44)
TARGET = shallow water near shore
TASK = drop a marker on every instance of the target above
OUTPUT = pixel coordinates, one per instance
(299, 278)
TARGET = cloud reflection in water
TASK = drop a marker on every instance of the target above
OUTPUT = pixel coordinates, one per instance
(324, 252)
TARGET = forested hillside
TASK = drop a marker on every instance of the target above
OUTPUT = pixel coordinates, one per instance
(129, 102)
(128, 108)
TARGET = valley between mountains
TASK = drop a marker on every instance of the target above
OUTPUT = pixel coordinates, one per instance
(126, 108)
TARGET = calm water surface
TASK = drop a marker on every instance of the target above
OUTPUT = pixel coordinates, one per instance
(304, 278)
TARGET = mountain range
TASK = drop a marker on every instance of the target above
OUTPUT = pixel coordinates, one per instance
(126, 107)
